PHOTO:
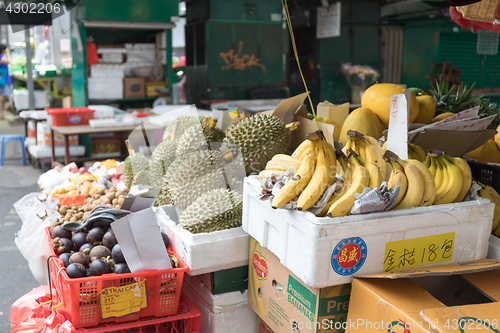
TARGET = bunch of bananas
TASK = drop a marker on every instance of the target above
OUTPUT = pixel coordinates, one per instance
(416, 183)
(452, 176)
(414, 152)
(491, 194)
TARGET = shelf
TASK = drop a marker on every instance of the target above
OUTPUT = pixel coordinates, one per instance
(93, 101)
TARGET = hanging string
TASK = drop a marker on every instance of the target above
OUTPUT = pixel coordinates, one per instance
(294, 47)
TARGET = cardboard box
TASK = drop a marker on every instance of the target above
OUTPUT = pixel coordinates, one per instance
(325, 251)
(446, 298)
(262, 327)
(226, 280)
(285, 303)
(134, 87)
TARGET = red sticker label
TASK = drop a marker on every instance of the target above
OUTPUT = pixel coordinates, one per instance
(349, 255)
(259, 265)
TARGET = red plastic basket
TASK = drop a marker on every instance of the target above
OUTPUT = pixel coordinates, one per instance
(80, 297)
(69, 116)
(186, 320)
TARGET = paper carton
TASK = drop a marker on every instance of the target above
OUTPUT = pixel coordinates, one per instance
(285, 303)
(447, 298)
(134, 87)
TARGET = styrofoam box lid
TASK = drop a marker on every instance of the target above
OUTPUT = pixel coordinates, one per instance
(111, 50)
(108, 66)
(34, 114)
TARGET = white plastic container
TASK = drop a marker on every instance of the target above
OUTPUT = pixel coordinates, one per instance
(205, 252)
(105, 88)
(330, 251)
(228, 312)
(38, 151)
(107, 71)
(21, 100)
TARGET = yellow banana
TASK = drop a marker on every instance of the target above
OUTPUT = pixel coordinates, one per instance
(374, 153)
(374, 174)
(348, 145)
(299, 181)
(285, 157)
(427, 161)
(416, 186)
(338, 194)
(418, 151)
(429, 183)
(332, 155)
(454, 183)
(297, 153)
(319, 180)
(466, 174)
(269, 173)
(360, 180)
(282, 164)
(491, 194)
(398, 177)
(438, 174)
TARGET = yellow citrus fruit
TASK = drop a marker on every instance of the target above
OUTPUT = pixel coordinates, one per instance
(364, 121)
(488, 152)
(378, 99)
(426, 109)
(442, 116)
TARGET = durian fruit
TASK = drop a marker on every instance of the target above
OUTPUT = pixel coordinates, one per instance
(193, 174)
(164, 197)
(134, 164)
(162, 156)
(198, 136)
(217, 209)
(128, 174)
(260, 138)
(177, 127)
(141, 178)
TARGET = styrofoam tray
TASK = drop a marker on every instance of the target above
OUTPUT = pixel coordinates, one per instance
(311, 247)
(228, 312)
(205, 252)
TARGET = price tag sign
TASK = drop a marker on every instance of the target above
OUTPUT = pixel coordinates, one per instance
(418, 251)
(397, 136)
(124, 300)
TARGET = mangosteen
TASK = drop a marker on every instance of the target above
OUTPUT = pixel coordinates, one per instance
(80, 258)
(121, 268)
(117, 254)
(65, 258)
(79, 239)
(95, 235)
(99, 267)
(59, 232)
(98, 252)
(166, 241)
(109, 239)
(88, 272)
(85, 248)
(62, 245)
(76, 270)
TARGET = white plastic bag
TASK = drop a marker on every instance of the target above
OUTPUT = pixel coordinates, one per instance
(36, 213)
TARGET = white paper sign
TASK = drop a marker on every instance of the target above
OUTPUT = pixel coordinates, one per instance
(398, 124)
(328, 21)
(141, 241)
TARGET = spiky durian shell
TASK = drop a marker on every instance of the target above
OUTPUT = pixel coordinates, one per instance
(141, 178)
(198, 136)
(177, 127)
(128, 174)
(194, 173)
(164, 197)
(218, 209)
(260, 138)
(139, 162)
(162, 156)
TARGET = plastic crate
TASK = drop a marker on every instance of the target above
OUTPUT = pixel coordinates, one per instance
(486, 173)
(81, 296)
(186, 320)
(69, 116)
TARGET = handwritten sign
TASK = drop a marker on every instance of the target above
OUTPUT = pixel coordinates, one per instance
(418, 251)
(124, 300)
(397, 136)
(239, 61)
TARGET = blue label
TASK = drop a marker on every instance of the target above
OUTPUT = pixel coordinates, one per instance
(75, 119)
(349, 255)
(135, 87)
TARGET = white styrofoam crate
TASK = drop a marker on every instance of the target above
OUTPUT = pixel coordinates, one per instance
(310, 246)
(107, 71)
(105, 88)
(494, 247)
(228, 312)
(205, 252)
(21, 99)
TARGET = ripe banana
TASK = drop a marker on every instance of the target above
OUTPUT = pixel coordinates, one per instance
(491, 194)
(418, 151)
(374, 153)
(466, 174)
(374, 173)
(429, 183)
(338, 194)
(438, 174)
(398, 177)
(299, 181)
(268, 173)
(427, 162)
(416, 186)
(283, 164)
(360, 180)
(319, 180)
(454, 181)
(298, 152)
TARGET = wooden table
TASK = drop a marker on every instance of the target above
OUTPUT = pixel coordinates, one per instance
(66, 131)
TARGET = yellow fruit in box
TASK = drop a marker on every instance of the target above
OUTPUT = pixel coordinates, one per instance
(363, 120)
(426, 109)
(378, 99)
(442, 116)
(488, 152)
(337, 129)
(94, 189)
(497, 137)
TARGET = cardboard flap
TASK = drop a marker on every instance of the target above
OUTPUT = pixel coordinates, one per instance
(287, 107)
(454, 143)
(451, 269)
(465, 318)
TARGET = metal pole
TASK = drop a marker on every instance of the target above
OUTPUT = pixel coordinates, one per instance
(29, 74)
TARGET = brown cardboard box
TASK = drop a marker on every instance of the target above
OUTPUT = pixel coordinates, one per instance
(446, 298)
(286, 304)
(134, 87)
